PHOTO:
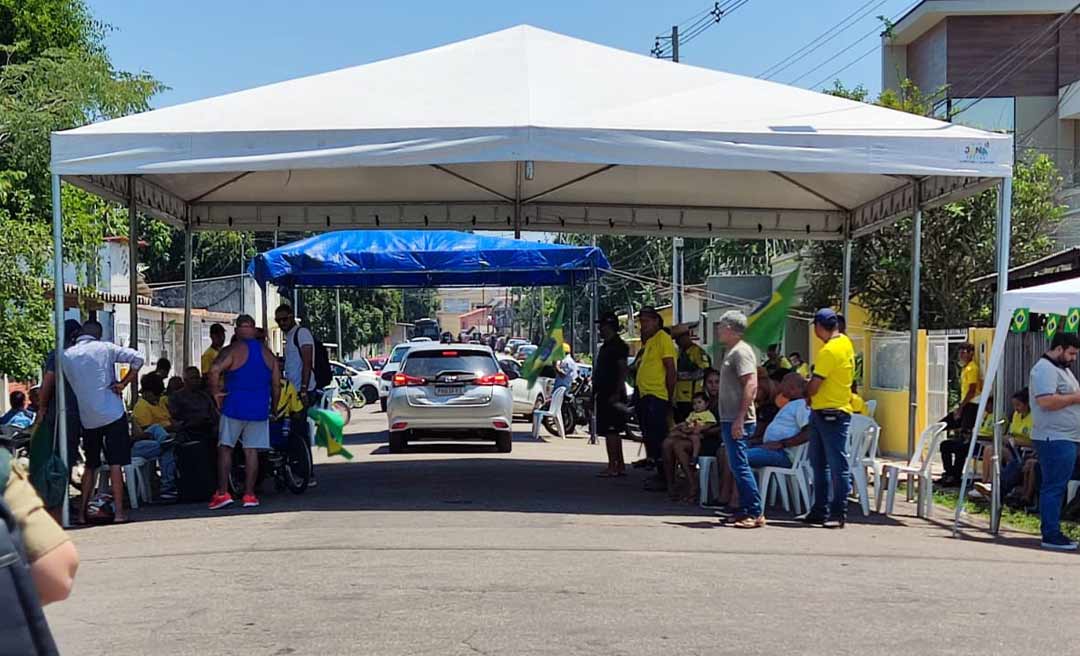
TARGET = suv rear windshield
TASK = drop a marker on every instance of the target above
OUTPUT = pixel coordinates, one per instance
(428, 364)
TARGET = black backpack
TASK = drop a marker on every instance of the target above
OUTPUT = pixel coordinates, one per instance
(23, 629)
(320, 364)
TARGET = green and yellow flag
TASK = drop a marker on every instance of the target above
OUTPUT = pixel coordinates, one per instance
(1021, 321)
(1072, 321)
(549, 351)
(1053, 322)
(329, 427)
(766, 324)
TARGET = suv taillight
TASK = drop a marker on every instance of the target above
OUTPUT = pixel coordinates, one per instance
(499, 379)
(405, 380)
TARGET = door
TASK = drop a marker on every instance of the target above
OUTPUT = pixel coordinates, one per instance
(937, 375)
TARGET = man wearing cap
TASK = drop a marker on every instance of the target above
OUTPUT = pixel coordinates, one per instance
(609, 390)
(655, 383)
(689, 370)
(829, 391)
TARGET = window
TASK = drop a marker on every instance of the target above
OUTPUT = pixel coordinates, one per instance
(889, 360)
(429, 364)
(992, 114)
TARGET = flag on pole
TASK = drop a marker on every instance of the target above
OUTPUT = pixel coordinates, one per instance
(550, 350)
(329, 427)
(766, 325)
(1053, 322)
(1072, 321)
(1021, 321)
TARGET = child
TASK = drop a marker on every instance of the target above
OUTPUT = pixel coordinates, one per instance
(698, 420)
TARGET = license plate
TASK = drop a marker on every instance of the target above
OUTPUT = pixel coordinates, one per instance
(449, 390)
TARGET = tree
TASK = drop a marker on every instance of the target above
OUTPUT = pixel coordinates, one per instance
(958, 244)
(54, 74)
(366, 315)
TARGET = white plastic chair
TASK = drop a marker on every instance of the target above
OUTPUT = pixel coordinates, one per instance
(136, 478)
(871, 407)
(862, 449)
(708, 479)
(793, 478)
(554, 411)
(919, 465)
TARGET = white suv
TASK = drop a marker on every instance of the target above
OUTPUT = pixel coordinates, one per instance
(453, 391)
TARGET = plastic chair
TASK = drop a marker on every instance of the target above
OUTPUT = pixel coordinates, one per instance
(136, 477)
(919, 465)
(708, 479)
(863, 436)
(871, 408)
(793, 478)
(554, 411)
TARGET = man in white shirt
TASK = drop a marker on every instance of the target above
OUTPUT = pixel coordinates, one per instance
(1055, 431)
(299, 353)
(90, 368)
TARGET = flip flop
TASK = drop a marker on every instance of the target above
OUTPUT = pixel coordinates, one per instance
(126, 520)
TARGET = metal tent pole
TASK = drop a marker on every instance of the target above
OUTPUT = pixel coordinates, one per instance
(518, 174)
(58, 309)
(594, 313)
(189, 328)
(133, 281)
(913, 345)
(1004, 235)
(845, 299)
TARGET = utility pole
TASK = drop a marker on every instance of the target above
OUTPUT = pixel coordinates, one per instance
(340, 344)
(675, 43)
(242, 294)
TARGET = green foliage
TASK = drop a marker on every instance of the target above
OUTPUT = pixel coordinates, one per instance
(54, 75)
(366, 315)
(958, 244)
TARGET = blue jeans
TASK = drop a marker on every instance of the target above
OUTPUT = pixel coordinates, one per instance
(829, 459)
(745, 483)
(150, 448)
(1056, 461)
(759, 456)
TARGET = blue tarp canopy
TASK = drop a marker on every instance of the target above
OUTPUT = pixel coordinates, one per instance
(424, 258)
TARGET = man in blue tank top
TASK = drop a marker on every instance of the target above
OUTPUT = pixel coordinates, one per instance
(252, 386)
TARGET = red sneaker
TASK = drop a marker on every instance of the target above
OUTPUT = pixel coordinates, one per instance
(251, 501)
(220, 500)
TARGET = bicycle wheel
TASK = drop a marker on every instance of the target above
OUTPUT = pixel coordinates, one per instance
(343, 409)
(297, 465)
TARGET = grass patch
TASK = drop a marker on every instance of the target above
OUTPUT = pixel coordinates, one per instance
(1015, 519)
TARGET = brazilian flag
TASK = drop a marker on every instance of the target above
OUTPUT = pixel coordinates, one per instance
(1053, 322)
(549, 351)
(1021, 321)
(1072, 321)
(766, 325)
(329, 429)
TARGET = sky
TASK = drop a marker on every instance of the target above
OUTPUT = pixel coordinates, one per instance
(202, 48)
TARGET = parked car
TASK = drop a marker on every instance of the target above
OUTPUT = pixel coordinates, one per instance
(363, 381)
(456, 391)
(378, 362)
(526, 397)
(513, 343)
(386, 376)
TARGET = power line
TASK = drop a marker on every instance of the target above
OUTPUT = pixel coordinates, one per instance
(832, 76)
(817, 42)
(666, 47)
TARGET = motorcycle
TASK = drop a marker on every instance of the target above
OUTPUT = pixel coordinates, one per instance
(576, 408)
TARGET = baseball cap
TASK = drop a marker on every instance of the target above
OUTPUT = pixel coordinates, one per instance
(827, 317)
(649, 311)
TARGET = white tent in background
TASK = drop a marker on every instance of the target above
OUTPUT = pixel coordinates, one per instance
(528, 129)
(1051, 298)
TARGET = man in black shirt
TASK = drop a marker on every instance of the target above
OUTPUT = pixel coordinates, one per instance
(609, 388)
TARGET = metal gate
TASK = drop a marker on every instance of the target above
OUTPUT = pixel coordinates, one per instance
(937, 374)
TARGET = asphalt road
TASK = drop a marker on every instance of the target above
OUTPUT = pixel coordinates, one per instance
(456, 549)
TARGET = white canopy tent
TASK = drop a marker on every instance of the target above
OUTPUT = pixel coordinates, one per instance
(528, 129)
(1052, 298)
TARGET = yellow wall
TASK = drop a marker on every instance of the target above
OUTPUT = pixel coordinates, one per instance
(892, 406)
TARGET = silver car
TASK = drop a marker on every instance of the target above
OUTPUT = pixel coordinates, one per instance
(450, 391)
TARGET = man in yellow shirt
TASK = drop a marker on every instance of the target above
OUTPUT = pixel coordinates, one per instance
(961, 421)
(151, 423)
(690, 369)
(655, 383)
(217, 341)
(830, 402)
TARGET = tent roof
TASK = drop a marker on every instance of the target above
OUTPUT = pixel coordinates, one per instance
(1055, 297)
(418, 258)
(614, 142)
